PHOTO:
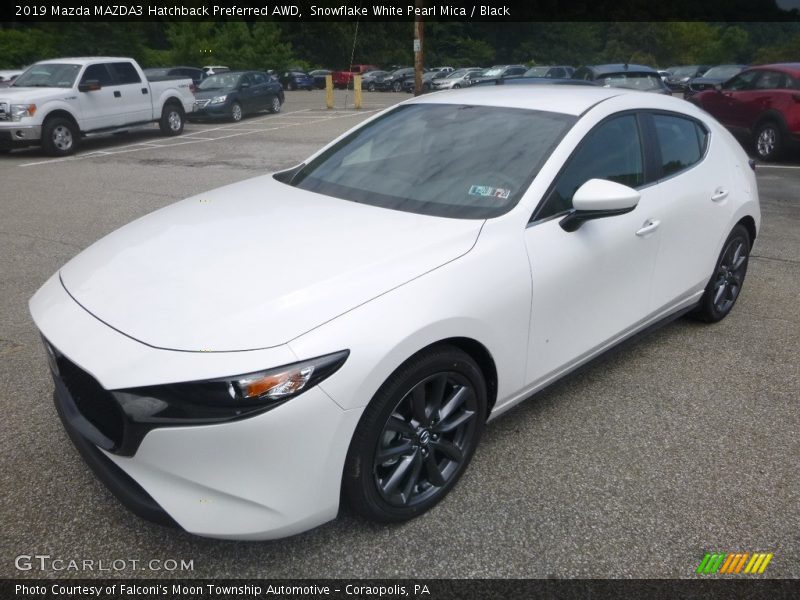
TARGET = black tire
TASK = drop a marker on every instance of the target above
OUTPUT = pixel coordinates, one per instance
(768, 141)
(172, 119)
(60, 137)
(456, 86)
(427, 419)
(726, 283)
(397, 86)
(275, 105)
(236, 112)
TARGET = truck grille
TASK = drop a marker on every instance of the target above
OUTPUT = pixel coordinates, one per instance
(4, 116)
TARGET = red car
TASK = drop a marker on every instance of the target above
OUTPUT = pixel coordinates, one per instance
(762, 103)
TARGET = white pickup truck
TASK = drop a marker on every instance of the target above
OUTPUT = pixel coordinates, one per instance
(55, 103)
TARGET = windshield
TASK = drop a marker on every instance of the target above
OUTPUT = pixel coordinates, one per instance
(646, 82)
(536, 72)
(723, 72)
(684, 72)
(457, 74)
(446, 160)
(61, 75)
(218, 82)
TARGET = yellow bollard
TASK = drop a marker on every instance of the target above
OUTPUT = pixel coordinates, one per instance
(329, 91)
(357, 91)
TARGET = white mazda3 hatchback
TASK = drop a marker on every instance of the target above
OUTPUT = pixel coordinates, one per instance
(237, 362)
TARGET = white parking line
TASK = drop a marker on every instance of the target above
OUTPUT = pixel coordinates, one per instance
(190, 139)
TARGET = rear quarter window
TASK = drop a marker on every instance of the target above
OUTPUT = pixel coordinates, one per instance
(682, 142)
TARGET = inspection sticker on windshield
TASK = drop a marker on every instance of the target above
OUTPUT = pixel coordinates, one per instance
(485, 190)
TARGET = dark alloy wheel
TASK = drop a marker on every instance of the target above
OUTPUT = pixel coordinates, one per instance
(417, 436)
(397, 86)
(728, 279)
(768, 141)
(275, 105)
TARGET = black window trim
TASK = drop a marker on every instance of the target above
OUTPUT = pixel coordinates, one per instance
(109, 71)
(653, 142)
(648, 164)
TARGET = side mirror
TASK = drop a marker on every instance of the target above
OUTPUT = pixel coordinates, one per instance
(597, 199)
(90, 85)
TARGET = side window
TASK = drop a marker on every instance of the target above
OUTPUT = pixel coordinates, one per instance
(682, 142)
(99, 73)
(770, 80)
(125, 73)
(259, 78)
(743, 81)
(613, 151)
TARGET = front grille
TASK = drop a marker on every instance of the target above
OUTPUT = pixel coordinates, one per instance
(95, 403)
(201, 103)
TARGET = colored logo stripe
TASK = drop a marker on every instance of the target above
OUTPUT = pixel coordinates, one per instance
(734, 562)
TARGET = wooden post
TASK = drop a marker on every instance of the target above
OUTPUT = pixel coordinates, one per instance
(418, 52)
(329, 91)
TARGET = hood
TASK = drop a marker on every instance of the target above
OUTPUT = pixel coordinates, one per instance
(33, 94)
(254, 265)
(208, 94)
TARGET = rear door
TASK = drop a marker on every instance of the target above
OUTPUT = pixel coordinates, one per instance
(132, 94)
(260, 91)
(692, 206)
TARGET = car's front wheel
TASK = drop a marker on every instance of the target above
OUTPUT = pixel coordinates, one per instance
(726, 283)
(275, 105)
(236, 112)
(768, 141)
(417, 436)
(397, 86)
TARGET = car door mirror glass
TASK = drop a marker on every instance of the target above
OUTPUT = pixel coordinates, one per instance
(90, 85)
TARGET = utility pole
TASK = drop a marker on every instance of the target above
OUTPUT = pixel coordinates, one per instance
(418, 53)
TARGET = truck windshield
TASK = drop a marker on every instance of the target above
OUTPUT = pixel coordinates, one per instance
(60, 75)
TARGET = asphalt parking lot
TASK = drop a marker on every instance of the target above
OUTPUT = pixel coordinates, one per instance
(683, 442)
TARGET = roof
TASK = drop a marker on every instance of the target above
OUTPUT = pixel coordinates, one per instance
(83, 60)
(566, 99)
(793, 68)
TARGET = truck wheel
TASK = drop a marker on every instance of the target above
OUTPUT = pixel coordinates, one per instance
(172, 119)
(59, 137)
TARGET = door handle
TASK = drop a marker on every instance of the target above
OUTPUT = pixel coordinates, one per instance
(117, 94)
(144, 90)
(649, 227)
(719, 194)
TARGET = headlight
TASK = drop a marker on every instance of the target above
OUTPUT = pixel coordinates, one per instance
(19, 111)
(227, 398)
(219, 99)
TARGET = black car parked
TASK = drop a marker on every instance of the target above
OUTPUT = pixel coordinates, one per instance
(679, 78)
(237, 93)
(319, 76)
(712, 77)
(499, 72)
(394, 82)
(297, 80)
(555, 72)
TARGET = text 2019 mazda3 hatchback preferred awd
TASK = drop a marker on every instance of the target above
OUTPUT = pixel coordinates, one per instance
(237, 362)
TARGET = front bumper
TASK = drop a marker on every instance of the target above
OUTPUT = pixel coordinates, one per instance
(264, 477)
(12, 135)
(210, 111)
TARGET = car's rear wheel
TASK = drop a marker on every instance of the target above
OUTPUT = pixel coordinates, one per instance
(371, 87)
(59, 137)
(768, 141)
(172, 120)
(236, 112)
(726, 284)
(417, 436)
